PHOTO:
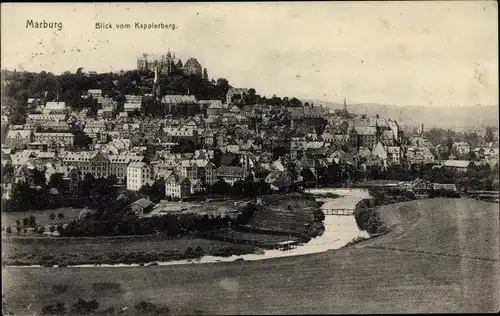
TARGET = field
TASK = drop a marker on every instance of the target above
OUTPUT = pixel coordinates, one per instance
(441, 256)
(284, 213)
(89, 250)
(42, 216)
(221, 208)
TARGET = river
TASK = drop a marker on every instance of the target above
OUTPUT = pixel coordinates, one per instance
(339, 230)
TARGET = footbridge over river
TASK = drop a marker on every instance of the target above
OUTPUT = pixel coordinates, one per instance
(339, 211)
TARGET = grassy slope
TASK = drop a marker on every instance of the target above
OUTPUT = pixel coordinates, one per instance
(42, 216)
(442, 256)
(30, 250)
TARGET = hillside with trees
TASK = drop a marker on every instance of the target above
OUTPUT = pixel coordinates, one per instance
(17, 87)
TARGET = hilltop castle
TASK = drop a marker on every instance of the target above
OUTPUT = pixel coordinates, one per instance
(166, 62)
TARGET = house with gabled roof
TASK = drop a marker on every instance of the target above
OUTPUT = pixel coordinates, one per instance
(177, 186)
(142, 205)
(18, 138)
(205, 170)
(279, 180)
(421, 187)
(237, 95)
(55, 108)
(459, 165)
(214, 107)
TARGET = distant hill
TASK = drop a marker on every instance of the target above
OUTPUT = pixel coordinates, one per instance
(455, 118)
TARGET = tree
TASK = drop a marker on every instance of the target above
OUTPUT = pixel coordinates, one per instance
(158, 189)
(82, 140)
(52, 216)
(56, 181)
(18, 228)
(205, 74)
(18, 223)
(221, 186)
(60, 215)
(489, 136)
(52, 228)
(85, 307)
(145, 189)
(38, 177)
(32, 221)
(26, 221)
(222, 87)
(54, 309)
(60, 229)
(8, 230)
(41, 229)
(307, 175)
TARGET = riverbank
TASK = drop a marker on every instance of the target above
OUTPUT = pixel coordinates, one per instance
(285, 216)
(112, 251)
(442, 255)
(272, 221)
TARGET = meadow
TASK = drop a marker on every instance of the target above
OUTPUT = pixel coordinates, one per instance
(442, 255)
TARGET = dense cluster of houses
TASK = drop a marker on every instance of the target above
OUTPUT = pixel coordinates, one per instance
(244, 137)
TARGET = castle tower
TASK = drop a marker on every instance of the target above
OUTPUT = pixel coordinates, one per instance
(156, 85)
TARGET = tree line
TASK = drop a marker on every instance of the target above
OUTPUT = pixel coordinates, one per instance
(88, 192)
(70, 87)
(116, 218)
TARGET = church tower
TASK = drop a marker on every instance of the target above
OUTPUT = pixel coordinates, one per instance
(156, 85)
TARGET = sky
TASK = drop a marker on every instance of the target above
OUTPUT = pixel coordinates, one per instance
(400, 53)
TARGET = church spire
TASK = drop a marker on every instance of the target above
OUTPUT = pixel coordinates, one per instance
(156, 85)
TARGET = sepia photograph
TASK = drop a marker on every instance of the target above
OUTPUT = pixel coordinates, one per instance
(259, 158)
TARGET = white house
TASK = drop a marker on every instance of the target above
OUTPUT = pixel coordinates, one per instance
(138, 174)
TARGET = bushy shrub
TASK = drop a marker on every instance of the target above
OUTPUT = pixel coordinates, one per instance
(198, 250)
(368, 220)
(84, 307)
(150, 308)
(54, 309)
(189, 251)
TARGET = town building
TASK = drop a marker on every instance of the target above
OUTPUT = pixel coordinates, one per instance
(18, 138)
(55, 108)
(458, 165)
(363, 136)
(66, 139)
(96, 94)
(237, 96)
(141, 206)
(46, 117)
(177, 186)
(304, 112)
(231, 174)
(461, 148)
(132, 103)
(101, 165)
(138, 174)
(205, 171)
(180, 105)
(212, 107)
(71, 175)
